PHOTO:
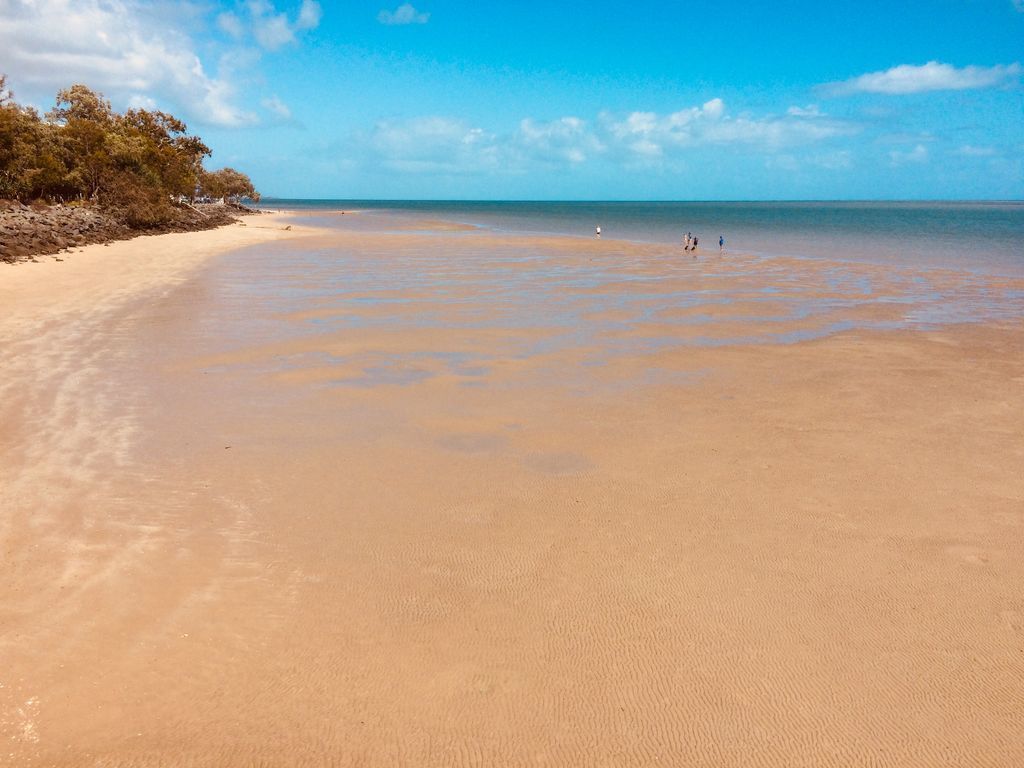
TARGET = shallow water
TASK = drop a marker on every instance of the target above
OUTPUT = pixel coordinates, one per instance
(984, 236)
(609, 297)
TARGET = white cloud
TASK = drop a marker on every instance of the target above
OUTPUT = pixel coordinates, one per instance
(403, 14)
(230, 23)
(309, 15)
(448, 145)
(141, 101)
(433, 144)
(968, 150)
(139, 52)
(270, 29)
(933, 76)
(273, 29)
(811, 110)
(713, 109)
(125, 48)
(273, 32)
(440, 144)
(772, 132)
(566, 139)
(278, 108)
(649, 135)
(917, 155)
(637, 132)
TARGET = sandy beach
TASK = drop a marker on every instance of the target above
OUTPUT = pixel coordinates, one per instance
(427, 495)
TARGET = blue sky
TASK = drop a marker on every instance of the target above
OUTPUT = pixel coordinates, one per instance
(560, 100)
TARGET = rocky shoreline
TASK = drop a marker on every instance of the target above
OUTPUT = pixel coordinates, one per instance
(29, 231)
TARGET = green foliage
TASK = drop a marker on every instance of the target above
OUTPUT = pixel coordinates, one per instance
(136, 162)
(227, 183)
(30, 162)
(138, 200)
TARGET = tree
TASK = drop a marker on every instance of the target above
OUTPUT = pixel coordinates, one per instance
(164, 149)
(134, 163)
(30, 156)
(229, 184)
(86, 119)
(79, 102)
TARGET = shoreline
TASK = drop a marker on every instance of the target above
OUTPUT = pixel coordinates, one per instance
(114, 271)
(28, 232)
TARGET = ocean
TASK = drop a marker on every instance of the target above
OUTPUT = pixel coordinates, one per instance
(977, 236)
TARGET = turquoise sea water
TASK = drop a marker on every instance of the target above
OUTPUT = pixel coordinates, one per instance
(983, 236)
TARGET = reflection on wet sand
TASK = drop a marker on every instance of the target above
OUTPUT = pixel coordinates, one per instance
(457, 498)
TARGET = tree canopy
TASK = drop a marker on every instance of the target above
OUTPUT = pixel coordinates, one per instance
(227, 183)
(137, 161)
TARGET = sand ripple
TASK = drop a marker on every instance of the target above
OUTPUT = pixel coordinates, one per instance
(459, 499)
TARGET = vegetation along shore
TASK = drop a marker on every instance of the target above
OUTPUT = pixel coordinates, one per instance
(83, 173)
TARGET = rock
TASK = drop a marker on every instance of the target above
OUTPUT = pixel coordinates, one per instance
(30, 231)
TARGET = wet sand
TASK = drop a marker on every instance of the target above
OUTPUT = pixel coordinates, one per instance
(448, 497)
